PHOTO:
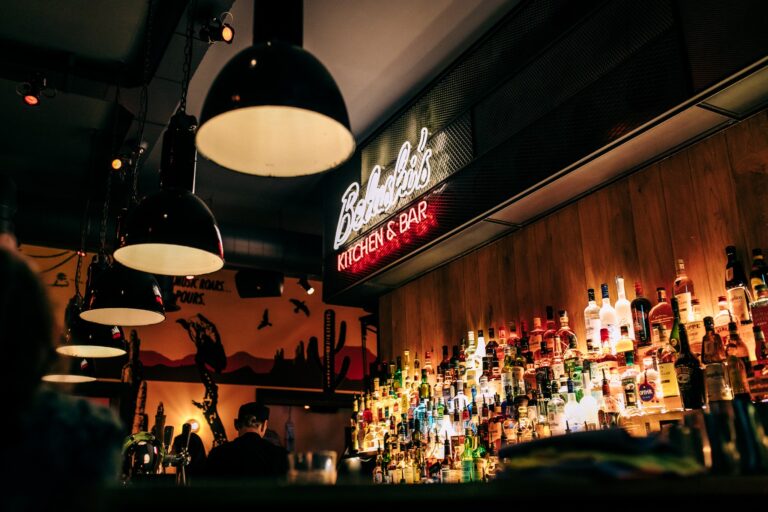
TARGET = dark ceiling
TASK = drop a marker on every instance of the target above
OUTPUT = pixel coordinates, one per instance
(93, 55)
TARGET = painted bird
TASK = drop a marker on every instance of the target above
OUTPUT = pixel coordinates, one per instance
(265, 320)
(300, 306)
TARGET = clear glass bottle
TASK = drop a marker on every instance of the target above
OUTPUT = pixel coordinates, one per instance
(565, 332)
(592, 322)
(623, 348)
(608, 317)
(556, 411)
(629, 383)
(624, 308)
(723, 318)
(682, 290)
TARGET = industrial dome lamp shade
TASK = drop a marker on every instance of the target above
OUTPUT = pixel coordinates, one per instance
(86, 339)
(172, 231)
(275, 110)
(118, 295)
(80, 370)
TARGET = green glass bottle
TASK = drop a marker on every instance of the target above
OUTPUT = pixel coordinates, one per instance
(467, 459)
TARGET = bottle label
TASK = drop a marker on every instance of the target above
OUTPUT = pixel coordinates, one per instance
(760, 317)
(668, 380)
(593, 330)
(737, 298)
(685, 378)
(642, 336)
(685, 307)
(696, 332)
(630, 391)
(714, 380)
(647, 392)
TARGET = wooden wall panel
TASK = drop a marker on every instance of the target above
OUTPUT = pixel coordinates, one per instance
(715, 199)
(690, 205)
(652, 238)
(748, 152)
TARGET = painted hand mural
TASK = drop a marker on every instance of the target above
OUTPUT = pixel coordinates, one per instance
(210, 354)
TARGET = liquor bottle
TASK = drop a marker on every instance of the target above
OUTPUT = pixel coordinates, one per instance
(623, 347)
(556, 411)
(682, 290)
(514, 337)
(629, 383)
(551, 329)
(588, 403)
(610, 405)
(607, 360)
(649, 385)
(416, 363)
(467, 460)
(695, 328)
(690, 379)
(565, 332)
(713, 350)
(425, 389)
(736, 284)
(674, 333)
(736, 346)
(536, 335)
(661, 314)
(558, 363)
(737, 376)
(608, 318)
(445, 364)
(624, 308)
(592, 322)
(428, 362)
(760, 307)
(572, 360)
(723, 318)
(715, 377)
(759, 273)
(378, 470)
(641, 309)
(492, 345)
(761, 349)
(667, 357)
(398, 377)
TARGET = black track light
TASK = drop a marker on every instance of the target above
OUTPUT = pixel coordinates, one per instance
(217, 30)
(304, 283)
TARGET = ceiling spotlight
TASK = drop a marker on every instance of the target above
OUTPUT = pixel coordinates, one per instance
(121, 162)
(304, 283)
(33, 91)
(218, 31)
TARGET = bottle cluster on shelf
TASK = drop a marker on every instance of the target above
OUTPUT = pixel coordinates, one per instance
(445, 419)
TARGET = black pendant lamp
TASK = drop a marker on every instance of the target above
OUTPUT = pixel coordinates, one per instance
(118, 295)
(78, 370)
(172, 231)
(275, 109)
(89, 340)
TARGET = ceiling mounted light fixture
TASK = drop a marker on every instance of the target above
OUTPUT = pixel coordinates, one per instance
(118, 295)
(218, 30)
(79, 370)
(173, 232)
(85, 339)
(275, 109)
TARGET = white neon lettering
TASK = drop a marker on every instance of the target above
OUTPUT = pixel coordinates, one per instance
(411, 173)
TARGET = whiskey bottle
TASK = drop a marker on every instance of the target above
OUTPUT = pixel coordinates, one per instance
(549, 333)
(760, 307)
(661, 314)
(737, 348)
(713, 350)
(736, 284)
(759, 273)
(690, 379)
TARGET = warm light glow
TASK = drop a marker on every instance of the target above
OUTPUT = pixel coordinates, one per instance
(122, 316)
(311, 290)
(306, 407)
(89, 351)
(194, 425)
(117, 163)
(168, 259)
(275, 141)
(31, 100)
(227, 34)
(67, 379)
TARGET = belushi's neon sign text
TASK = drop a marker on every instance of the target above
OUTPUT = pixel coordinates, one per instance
(413, 222)
(411, 174)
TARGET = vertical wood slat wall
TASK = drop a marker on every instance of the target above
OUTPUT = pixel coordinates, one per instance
(690, 205)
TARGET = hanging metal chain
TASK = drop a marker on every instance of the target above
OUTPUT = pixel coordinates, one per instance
(187, 69)
(143, 99)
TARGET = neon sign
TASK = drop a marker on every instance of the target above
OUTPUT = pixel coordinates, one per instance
(414, 221)
(411, 174)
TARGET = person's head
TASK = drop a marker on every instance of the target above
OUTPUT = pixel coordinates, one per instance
(252, 417)
(26, 329)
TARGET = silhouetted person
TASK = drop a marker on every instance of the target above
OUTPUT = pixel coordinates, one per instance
(54, 441)
(197, 458)
(250, 455)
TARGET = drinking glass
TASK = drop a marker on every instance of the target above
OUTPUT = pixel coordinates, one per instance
(315, 468)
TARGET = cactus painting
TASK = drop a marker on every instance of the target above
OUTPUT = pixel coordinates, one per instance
(331, 347)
